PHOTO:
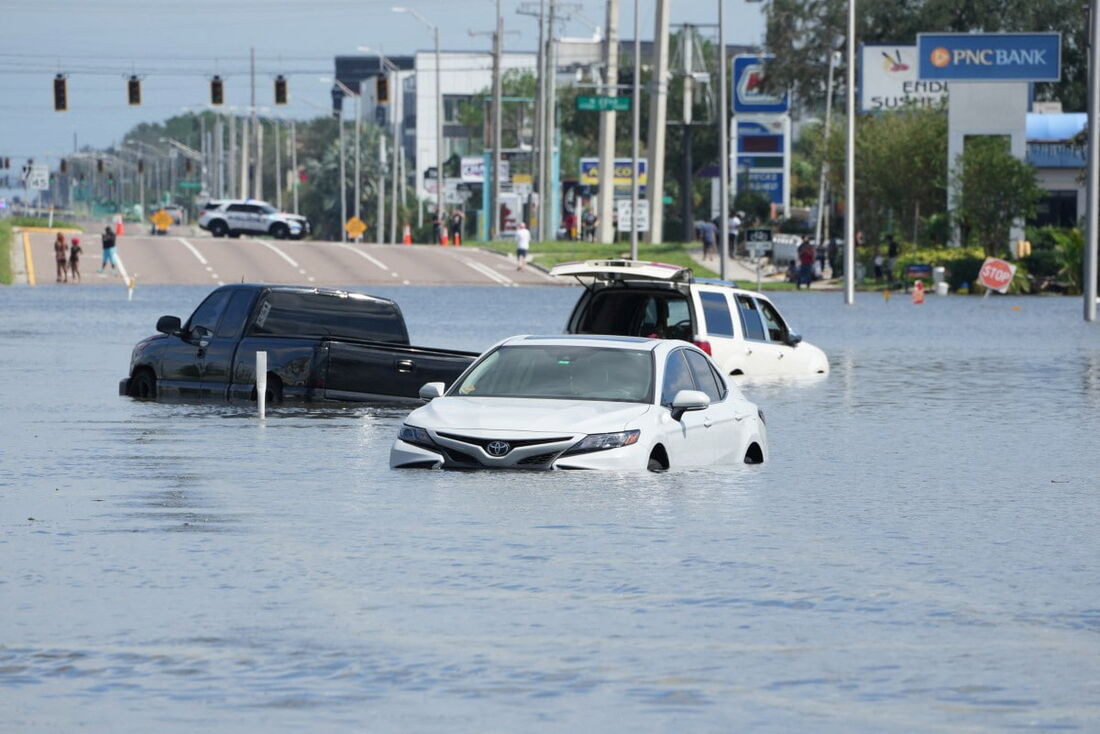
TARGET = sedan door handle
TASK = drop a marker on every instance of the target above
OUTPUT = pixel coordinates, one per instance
(707, 422)
(404, 365)
(740, 417)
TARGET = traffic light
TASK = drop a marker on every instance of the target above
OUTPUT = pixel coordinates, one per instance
(5, 162)
(60, 93)
(99, 165)
(141, 165)
(64, 166)
(217, 91)
(133, 90)
(382, 89)
(187, 165)
(280, 89)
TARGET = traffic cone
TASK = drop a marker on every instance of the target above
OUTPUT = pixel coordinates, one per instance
(118, 225)
(918, 292)
(443, 238)
(458, 239)
(407, 237)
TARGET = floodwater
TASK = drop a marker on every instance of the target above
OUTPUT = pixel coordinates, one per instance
(920, 554)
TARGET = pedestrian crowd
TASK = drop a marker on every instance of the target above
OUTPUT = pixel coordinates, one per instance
(67, 255)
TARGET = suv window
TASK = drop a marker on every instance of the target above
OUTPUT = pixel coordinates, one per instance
(677, 377)
(777, 330)
(238, 208)
(716, 313)
(209, 311)
(704, 377)
(631, 312)
(750, 318)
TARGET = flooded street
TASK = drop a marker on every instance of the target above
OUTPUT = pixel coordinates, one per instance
(920, 553)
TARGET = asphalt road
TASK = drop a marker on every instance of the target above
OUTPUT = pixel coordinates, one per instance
(188, 259)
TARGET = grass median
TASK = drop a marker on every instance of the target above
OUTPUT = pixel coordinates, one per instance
(553, 252)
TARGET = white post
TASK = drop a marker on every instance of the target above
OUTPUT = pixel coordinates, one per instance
(261, 383)
(1088, 284)
(850, 172)
(658, 112)
(358, 155)
(724, 154)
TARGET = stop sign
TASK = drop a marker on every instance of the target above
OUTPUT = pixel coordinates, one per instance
(996, 274)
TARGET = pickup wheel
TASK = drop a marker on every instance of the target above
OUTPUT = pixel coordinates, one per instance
(280, 231)
(218, 228)
(143, 385)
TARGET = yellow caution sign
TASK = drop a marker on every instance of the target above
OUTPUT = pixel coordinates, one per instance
(355, 227)
(162, 220)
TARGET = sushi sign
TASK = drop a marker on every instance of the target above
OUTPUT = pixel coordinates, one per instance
(996, 274)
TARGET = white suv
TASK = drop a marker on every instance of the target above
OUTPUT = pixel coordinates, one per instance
(234, 217)
(742, 330)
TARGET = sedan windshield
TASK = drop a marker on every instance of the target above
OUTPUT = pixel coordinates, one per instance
(567, 373)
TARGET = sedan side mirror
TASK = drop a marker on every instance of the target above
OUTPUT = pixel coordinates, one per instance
(432, 390)
(168, 324)
(793, 338)
(686, 400)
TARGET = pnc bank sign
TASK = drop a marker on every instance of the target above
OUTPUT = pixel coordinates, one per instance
(990, 57)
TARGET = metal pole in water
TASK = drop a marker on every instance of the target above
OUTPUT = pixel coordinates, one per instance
(261, 383)
(1092, 231)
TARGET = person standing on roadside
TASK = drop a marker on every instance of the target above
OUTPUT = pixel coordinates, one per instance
(457, 217)
(708, 233)
(523, 244)
(806, 257)
(74, 259)
(109, 256)
(61, 255)
(437, 227)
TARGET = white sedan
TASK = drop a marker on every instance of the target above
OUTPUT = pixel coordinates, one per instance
(583, 402)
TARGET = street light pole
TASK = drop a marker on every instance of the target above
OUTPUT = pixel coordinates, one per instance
(438, 113)
(636, 108)
(358, 153)
(1093, 221)
(723, 147)
(850, 169)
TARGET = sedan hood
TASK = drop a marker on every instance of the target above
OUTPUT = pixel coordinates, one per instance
(526, 415)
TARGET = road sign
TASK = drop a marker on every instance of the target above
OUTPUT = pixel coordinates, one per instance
(748, 87)
(603, 104)
(590, 175)
(39, 177)
(641, 222)
(990, 57)
(161, 220)
(355, 227)
(190, 184)
(759, 236)
(996, 274)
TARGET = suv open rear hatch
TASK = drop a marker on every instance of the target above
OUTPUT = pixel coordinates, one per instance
(619, 270)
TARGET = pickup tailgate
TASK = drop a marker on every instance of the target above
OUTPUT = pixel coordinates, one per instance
(356, 370)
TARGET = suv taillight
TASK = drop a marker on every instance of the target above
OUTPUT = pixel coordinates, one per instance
(704, 345)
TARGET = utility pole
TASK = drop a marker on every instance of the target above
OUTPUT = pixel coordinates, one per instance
(358, 153)
(635, 107)
(548, 200)
(498, 92)
(607, 125)
(294, 163)
(258, 180)
(230, 171)
(278, 168)
(824, 156)
(658, 116)
(850, 171)
(246, 151)
(723, 147)
(380, 190)
(687, 188)
(1088, 280)
(396, 122)
(254, 140)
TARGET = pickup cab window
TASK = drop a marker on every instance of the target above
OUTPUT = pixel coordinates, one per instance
(323, 315)
(750, 318)
(716, 313)
(236, 313)
(209, 311)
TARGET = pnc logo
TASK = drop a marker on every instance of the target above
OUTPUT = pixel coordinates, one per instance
(940, 57)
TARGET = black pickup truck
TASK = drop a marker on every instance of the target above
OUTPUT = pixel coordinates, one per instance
(321, 344)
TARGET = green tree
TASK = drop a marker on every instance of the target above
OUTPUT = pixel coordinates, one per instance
(992, 188)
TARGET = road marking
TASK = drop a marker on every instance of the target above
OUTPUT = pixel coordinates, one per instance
(194, 251)
(363, 255)
(293, 263)
(29, 258)
(489, 272)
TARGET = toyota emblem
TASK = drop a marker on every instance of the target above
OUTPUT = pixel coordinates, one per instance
(498, 448)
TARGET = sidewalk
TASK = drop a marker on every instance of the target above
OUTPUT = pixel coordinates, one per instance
(743, 270)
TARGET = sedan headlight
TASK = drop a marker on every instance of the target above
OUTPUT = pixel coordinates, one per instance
(603, 441)
(414, 435)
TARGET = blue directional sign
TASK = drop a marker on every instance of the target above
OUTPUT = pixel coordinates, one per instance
(990, 57)
(748, 94)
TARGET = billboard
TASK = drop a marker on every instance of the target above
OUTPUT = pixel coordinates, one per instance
(748, 95)
(888, 79)
(990, 57)
(590, 174)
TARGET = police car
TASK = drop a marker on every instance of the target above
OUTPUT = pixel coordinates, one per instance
(234, 217)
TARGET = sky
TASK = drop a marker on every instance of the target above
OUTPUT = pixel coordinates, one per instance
(175, 46)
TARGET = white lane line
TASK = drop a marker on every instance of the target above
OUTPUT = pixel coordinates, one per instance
(194, 251)
(363, 255)
(293, 263)
(489, 272)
